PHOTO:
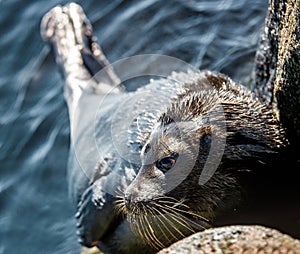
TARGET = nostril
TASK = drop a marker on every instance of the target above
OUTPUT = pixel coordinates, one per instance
(128, 201)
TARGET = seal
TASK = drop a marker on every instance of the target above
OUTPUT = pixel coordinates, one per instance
(165, 197)
(183, 134)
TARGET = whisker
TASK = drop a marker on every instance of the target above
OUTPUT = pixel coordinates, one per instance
(158, 224)
(180, 220)
(118, 208)
(164, 225)
(145, 235)
(174, 202)
(118, 201)
(161, 221)
(177, 212)
(172, 224)
(136, 228)
(152, 232)
(165, 197)
(185, 211)
(119, 193)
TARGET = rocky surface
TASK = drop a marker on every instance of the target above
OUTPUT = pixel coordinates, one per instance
(278, 64)
(236, 239)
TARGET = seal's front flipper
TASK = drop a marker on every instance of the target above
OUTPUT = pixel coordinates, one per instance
(70, 35)
(94, 217)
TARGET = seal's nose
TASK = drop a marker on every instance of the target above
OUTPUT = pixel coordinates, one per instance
(131, 198)
(128, 201)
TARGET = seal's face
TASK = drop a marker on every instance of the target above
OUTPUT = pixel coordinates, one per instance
(168, 158)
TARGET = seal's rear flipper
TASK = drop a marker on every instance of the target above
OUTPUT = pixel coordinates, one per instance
(70, 35)
(100, 69)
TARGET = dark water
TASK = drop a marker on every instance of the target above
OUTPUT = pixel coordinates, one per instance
(35, 213)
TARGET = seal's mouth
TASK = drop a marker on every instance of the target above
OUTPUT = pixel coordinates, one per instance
(162, 220)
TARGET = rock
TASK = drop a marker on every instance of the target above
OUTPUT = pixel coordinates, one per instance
(236, 239)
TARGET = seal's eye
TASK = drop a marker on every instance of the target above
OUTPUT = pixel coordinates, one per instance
(166, 163)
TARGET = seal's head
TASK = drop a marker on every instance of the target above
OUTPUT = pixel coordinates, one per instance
(168, 199)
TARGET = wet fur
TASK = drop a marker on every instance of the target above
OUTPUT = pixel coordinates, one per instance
(253, 137)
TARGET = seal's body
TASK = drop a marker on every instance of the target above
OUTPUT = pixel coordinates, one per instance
(170, 191)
